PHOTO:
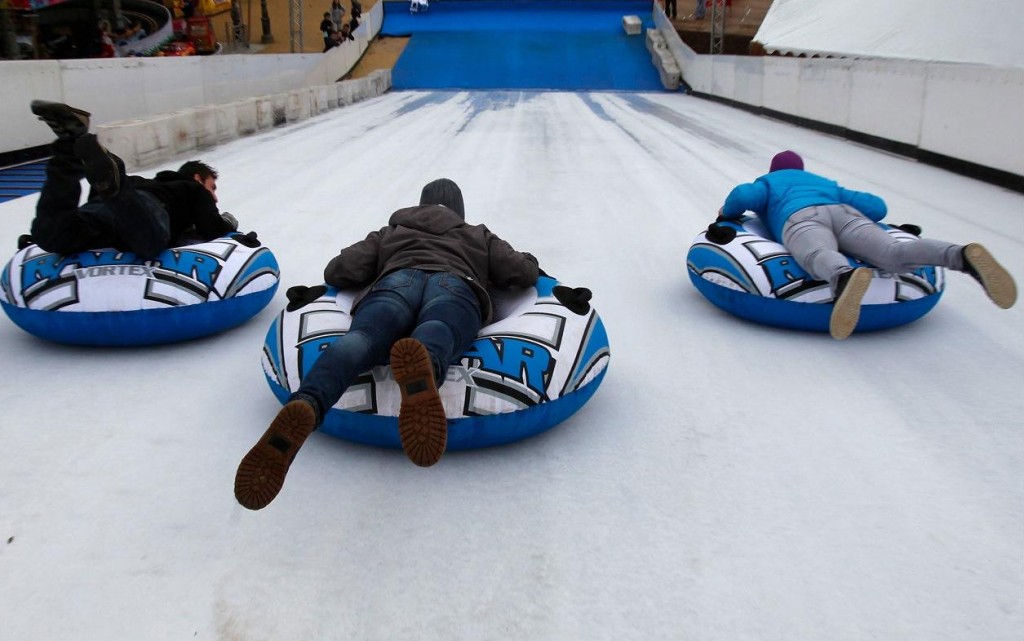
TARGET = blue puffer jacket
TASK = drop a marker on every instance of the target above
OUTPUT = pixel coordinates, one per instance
(776, 196)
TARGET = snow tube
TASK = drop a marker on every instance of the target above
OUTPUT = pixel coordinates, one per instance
(524, 374)
(756, 278)
(112, 298)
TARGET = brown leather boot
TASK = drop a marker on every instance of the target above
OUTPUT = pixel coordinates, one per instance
(422, 425)
(261, 473)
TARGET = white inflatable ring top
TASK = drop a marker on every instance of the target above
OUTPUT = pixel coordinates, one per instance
(113, 298)
(524, 374)
(756, 278)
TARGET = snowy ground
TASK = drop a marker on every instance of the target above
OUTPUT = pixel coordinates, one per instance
(728, 481)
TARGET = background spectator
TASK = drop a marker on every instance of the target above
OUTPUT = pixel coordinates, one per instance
(337, 14)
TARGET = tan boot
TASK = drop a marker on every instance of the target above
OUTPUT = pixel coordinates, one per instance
(998, 283)
(846, 311)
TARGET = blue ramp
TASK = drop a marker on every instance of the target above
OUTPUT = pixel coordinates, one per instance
(22, 180)
(562, 45)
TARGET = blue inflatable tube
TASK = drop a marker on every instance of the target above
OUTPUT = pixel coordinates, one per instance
(526, 372)
(106, 297)
(757, 279)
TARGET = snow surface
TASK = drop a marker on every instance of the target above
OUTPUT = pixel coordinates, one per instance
(987, 33)
(728, 481)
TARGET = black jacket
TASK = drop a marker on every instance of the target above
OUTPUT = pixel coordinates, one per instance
(433, 238)
(188, 204)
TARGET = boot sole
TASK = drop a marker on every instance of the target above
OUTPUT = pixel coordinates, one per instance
(846, 311)
(45, 109)
(995, 279)
(262, 471)
(54, 114)
(422, 424)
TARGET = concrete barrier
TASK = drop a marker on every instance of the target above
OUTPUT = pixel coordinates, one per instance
(663, 60)
(631, 25)
(143, 142)
(120, 89)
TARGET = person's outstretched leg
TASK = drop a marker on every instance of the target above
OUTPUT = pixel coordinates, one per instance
(866, 240)
(383, 315)
(811, 236)
(422, 424)
(262, 471)
(448, 323)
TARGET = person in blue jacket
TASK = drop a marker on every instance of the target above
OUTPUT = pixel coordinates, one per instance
(821, 223)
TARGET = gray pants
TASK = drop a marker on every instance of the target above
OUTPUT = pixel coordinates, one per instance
(816, 236)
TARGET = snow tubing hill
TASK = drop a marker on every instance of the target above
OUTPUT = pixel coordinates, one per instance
(757, 279)
(525, 373)
(108, 297)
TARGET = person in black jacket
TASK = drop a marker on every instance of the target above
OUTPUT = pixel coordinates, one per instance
(423, 300)
(326, 29)
(129, 213)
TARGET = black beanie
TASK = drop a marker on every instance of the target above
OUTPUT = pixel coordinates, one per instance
(444, 192)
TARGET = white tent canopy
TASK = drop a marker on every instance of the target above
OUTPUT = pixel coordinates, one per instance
(987, 33)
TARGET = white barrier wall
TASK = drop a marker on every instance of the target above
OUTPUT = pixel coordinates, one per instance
(967, 112)
(887, 98)
(118, 89)
(974, 113)
(155, 139)
(21, 81)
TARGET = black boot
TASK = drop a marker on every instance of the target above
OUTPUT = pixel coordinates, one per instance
(101, 169)
(67, 122)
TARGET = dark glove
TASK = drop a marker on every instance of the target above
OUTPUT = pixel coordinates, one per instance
(230, 220)
(300, 296)
(910, 228)
(541, 271)
(249, 240)
(720, 234)
(24, 241)
(576, 299)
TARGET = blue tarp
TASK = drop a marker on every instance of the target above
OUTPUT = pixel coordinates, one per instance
(562, 45)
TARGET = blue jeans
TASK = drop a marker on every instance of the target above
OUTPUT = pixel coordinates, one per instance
(438, 309)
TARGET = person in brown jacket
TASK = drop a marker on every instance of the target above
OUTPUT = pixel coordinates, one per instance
(424, 299)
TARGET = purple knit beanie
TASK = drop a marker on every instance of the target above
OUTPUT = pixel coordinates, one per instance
(786, 160)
